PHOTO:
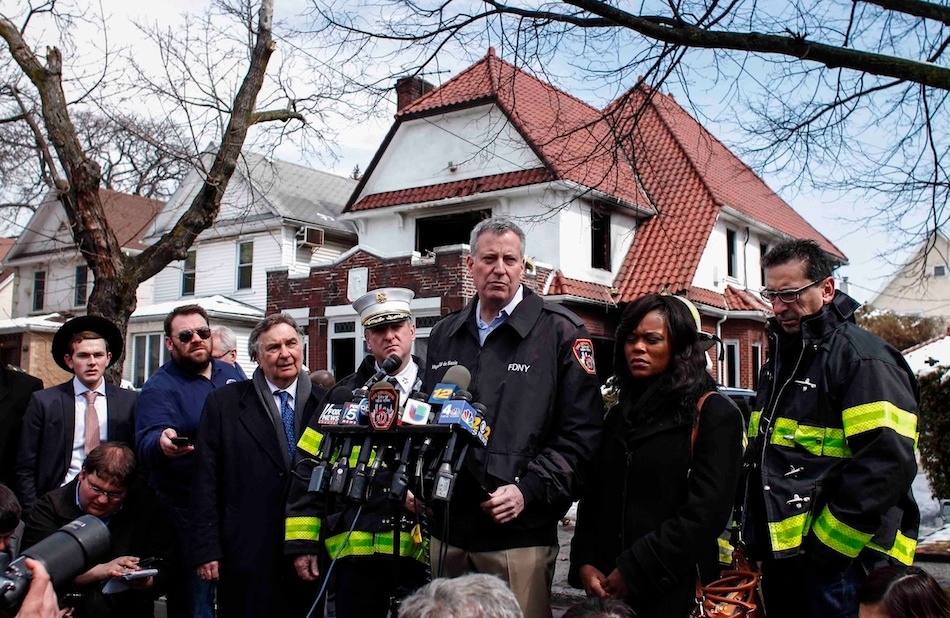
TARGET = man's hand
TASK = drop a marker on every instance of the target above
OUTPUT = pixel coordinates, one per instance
(307, 568)
(168, 447)
(114, 568)
(504, 504)
(40, 599)
(593, 581)
(209, 571)
(616, 586)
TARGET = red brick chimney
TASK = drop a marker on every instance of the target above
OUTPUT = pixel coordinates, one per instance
(408, 89)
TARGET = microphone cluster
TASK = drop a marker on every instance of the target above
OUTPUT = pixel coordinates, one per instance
(426, 430)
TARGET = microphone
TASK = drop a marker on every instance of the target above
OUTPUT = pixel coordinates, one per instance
(383, 409)
(400, 482)
(417, 411)
(470, 417)
(391, 364)
(320, 475)
(331, 415)
(457, 378)
(383, 405)
(339, 473)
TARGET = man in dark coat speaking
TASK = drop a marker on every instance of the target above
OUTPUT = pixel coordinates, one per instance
(244, 450)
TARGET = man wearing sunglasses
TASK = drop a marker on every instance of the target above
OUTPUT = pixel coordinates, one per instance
(139, 533)
(63, 423)
(831, 454)
(166, 426)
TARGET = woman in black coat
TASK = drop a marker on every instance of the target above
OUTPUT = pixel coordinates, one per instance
(651, 511)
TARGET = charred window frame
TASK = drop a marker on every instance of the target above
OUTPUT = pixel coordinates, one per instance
(442, 230)
(599, 239)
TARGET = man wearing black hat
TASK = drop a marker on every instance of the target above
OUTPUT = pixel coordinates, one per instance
(65, 422)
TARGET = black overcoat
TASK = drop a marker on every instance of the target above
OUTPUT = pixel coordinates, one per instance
(239, 489)
(648, 512)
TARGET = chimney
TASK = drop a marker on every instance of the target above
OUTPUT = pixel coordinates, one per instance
(408, 89)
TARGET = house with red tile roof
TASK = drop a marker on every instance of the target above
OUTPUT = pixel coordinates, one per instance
(617, 202)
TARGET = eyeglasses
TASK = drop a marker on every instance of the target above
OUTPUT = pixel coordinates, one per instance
(223, 354)
(111, 496)
(786, 296)
(186, 335)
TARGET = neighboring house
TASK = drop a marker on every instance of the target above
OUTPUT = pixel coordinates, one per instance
(635, 198)
(27, 343)
(6, 281)
(51, 276)
(274, 214)
(51, 282)
(922, 286)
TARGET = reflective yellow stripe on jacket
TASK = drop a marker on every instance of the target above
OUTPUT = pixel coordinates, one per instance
(879, 414)
(903, 550)
(368, 544)
(788, 533)
(754, 423)
(310, 443)
(838, 535)
(819, 441)
(302, 529)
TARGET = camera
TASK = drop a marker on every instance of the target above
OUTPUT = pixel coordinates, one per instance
(66, 553)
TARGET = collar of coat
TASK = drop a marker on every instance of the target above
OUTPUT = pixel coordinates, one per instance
(522, 319)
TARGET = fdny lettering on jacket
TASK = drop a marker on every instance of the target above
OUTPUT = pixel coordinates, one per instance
(519, 367)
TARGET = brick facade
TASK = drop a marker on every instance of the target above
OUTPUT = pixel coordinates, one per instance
(445, 276)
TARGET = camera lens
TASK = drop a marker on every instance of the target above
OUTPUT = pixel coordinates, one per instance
(66, 553)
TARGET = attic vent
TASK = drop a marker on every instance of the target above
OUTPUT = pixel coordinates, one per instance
(310, 237)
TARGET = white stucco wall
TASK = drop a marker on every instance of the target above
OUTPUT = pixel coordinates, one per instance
(478, 142)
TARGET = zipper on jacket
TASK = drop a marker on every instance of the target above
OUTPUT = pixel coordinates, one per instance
(776, 396)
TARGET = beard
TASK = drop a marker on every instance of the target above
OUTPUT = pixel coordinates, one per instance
(190, 365)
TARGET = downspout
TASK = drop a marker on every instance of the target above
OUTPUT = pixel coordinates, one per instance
(745, 263)
(722, 354)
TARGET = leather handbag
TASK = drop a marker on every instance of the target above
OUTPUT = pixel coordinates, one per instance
(733, 595)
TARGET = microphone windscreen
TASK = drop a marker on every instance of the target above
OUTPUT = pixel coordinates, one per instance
(458, 375)
(391, 364)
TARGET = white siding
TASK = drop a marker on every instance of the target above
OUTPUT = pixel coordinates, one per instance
(478, 142)
(574, 255)
(711, 272)
(216, 270)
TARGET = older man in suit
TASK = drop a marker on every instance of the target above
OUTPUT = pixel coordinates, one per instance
(65, 422)
(244, 455)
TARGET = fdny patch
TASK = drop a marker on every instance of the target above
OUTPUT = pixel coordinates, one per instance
(584, 353)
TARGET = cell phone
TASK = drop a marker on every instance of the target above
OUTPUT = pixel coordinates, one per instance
(150, 562)
(181, 441)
